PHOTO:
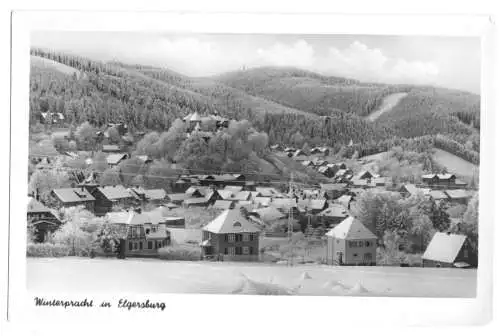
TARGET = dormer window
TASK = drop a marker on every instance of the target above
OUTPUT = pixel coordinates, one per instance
(237, 225)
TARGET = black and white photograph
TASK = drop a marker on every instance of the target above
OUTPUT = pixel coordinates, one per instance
(339, 165)
(254, 164)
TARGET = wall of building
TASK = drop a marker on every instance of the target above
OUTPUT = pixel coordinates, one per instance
(334, 246)
(356, 255)
(220, 245)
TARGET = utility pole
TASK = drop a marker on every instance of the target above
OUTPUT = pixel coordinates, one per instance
(290, 219)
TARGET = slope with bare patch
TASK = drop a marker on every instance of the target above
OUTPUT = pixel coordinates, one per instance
(455, 164)
(388, 103)
(47, 63)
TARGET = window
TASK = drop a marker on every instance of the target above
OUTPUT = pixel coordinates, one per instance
(245, 250)
(225, 250)
(360, 243)
(238, 250)
(135, 246)
(140, 246)
(250, 250)
(130, 246)
(466, 253)
(154, 228)
(367, 244)
(147, 231)
(246, 237)
(231, 237)
(367, 257)
(232, 251)
(238, 237)
(251, 236)
(225, 237)
(138, 231)
(150, 245)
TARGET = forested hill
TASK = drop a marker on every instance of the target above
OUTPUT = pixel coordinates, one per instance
(324, 95)
(148, 98)
(292, 106)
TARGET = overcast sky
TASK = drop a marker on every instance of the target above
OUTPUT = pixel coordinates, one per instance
(452, 62)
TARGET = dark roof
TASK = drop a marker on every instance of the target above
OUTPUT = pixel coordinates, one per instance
(72, 195)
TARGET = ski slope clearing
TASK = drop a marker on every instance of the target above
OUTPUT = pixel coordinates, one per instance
(454, 164)
(47, 63)
(158, 276)
(388, 103)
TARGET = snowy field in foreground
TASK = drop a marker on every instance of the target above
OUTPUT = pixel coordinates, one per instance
(157, 276)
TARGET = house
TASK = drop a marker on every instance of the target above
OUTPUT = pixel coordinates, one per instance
(286, 205)
(360, 183)
(145, 158)
(209, 198)
(52, 118)
(225, 194)
(195, 191)
(460, 196)
(195, 202)
(71, 197)
(155, 195)
(267, 191)
(449, 250)
(313, 206)
(231, 236)
(212, 196)
(269, 214)
(242, 196)
(141, 235)
(438, 195)
(332, 215)
(224, 204)
(333, 190)
(345, 201)
(262, 201)
(177, 199)
(111, 149)
(110, 196)
(234, 189)
(326, 171)
(114, 159)
(365, 175)
(351, 243)
(410, 190)
(437, 180)
(44, 220)
(299, 152)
